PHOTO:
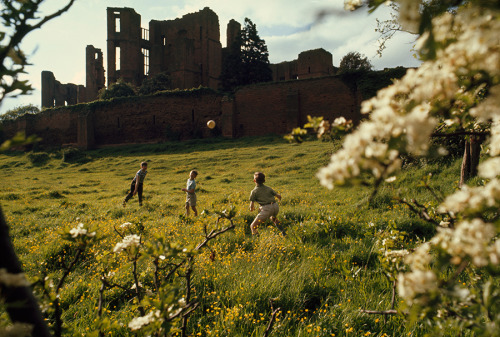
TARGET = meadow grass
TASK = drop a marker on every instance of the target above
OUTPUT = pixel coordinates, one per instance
(320, 274)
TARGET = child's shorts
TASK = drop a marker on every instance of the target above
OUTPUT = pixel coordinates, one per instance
(267, 211)
(191, 199)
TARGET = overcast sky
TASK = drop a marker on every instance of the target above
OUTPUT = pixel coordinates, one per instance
(288, 27)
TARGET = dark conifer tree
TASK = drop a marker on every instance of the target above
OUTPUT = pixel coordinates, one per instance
(246, 60)
(255, 56)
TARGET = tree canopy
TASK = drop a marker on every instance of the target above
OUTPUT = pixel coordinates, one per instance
(158, 82)
(354, 61)
(118, 89)
(246, 60)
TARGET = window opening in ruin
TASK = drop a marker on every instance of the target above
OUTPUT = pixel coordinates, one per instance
(145, 34)
(145, 53)
(117, 24)
(117, 58)
(164, 40)
(54, 103)
(96, 56)
(65, 103)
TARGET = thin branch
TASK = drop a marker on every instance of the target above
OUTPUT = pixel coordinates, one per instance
(272, 320)
(380, 312)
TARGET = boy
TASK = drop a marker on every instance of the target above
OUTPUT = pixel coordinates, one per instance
(137, 183)
(190, 193)
(269, 208)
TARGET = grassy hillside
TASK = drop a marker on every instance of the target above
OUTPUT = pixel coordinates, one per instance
(320, 274)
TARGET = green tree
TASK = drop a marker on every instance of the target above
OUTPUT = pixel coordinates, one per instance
(19, 111)
(254, 55)
(158, 82)
(118, 89)
(247, 60)
(354, 61)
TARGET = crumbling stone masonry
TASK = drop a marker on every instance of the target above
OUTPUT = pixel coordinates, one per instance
(187, 48)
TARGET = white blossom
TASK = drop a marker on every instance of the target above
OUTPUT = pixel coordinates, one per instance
(128, 242)
(470, 239)
(80, 230)
(351, 5)
(138, 322)
(412, 285)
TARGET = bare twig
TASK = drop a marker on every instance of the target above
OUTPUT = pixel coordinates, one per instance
(272, 320)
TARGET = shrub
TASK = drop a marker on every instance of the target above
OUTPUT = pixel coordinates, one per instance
(38, 159)
(118, 89)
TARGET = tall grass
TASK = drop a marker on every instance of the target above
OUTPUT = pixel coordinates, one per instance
(321, 274)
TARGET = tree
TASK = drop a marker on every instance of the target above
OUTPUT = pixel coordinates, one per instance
(354, 61)
(158, 82)
(456, 91)
(18, 19)
(247, 60)
(255, 56)
(118, 89)
(19, 111)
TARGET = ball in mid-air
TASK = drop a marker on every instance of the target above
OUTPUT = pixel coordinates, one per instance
(211, 124)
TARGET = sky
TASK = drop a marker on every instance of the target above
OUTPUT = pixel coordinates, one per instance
(288, 28)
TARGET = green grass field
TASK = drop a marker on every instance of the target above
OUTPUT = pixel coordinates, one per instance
(321, 274)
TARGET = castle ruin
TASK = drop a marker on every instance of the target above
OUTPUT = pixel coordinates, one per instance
(187, 48)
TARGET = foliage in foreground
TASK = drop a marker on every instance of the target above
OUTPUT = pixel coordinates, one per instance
(330, 265)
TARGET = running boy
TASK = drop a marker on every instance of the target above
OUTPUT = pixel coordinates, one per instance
(137, 183)
(264, 196)
(190, 193)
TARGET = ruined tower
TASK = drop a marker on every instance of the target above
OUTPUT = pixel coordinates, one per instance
(95, 79)
(314, 63)
(188, 48)
(128, 46)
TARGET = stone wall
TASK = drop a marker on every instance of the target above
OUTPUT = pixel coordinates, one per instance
(260, 109)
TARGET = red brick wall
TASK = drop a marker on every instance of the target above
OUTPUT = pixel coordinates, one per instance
(155, 119)
(254, 110)
(278, 107)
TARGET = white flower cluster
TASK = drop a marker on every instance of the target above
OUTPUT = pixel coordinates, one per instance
(350, 5)
(138, 322)
(80, 230)
(394, 255)
(416, 285)
(470, 239)
(13, 280)
(473, 200)
(467, 51)
(128, 242)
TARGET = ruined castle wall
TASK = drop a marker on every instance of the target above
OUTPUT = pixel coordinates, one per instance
(255, 110)
(125, 36)
(279, 107)
(188, 48)
(56, 94)
(314, 63)
(284, 71)
(95, 79)
(156, 118)
(53, 126)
